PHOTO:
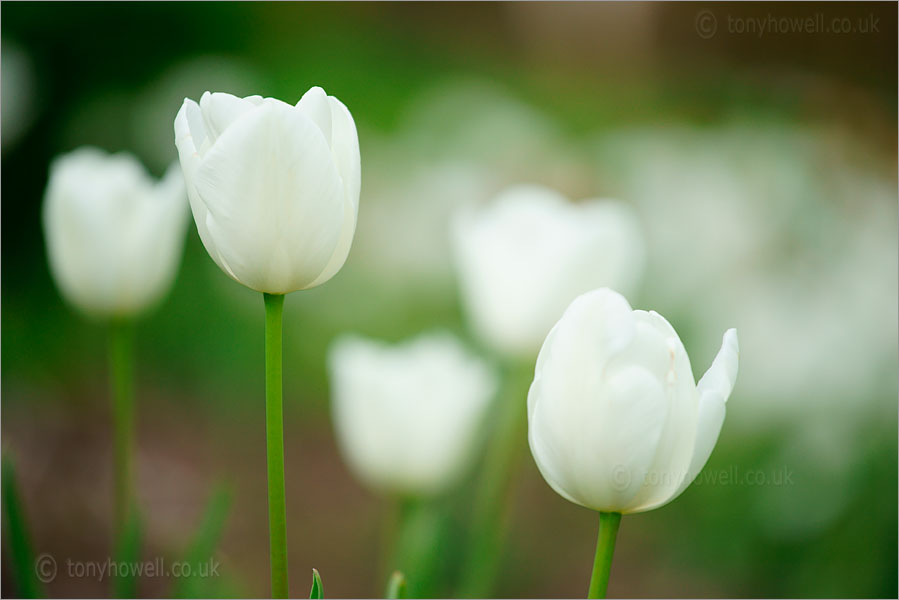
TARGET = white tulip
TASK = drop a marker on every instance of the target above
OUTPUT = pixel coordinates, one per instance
(274, 188)
(522, 258)
(616, 422)
(407, 416)
(114, 236)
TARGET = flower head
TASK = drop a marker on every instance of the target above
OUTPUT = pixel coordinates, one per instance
(114, 236)
(407, 415)
(522, 258)
(274, 188)
(616, 421)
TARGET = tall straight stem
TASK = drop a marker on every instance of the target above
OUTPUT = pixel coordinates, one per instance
(605, 548)
(121, 382)
(274, 435)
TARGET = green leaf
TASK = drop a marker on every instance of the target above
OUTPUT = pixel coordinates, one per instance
(25, 569)
(127, 555)
(317, 591)
(200, 553)
(396, 587)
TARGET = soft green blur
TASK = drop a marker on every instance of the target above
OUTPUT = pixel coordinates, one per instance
(764, 168)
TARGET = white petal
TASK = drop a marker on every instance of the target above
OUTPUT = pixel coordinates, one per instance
(608, 319)
(722, 375)
(315, 105)
(190, 133)
(275, 200)
(188, 129)
(675, 447)
(345, 150)
(219, 110)
(597, 451)
(714, 389)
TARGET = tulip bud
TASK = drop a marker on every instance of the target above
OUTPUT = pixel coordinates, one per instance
(114, 236)
(616, 422)
(407, 416)
(522, 259)
(274, 188)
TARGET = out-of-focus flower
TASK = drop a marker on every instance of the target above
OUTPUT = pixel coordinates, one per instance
(114, 236)
(407, 415)
(17, 87)
(523, 258)
(274, 188)
(788, 227)
(616, 421)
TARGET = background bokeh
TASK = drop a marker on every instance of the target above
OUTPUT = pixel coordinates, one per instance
(763, 165)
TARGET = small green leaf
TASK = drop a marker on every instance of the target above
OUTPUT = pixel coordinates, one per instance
(317, 591)
(396, 587)
(25, 569)
(200, 554)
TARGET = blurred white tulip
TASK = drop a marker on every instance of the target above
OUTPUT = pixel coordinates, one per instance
(788, 226)
(17, 93)
(114, 236)
(524, 257)
(407, 416)
(274, 188)
(616, 422)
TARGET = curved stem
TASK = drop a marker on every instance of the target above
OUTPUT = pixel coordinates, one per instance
(274, 435)
(121, 382)
(605, 547)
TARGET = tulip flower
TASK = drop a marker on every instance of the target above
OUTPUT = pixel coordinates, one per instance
(274, 191)
(114, 236)
(523, 257)
(274, 188)
(407, 415)
(616, 422)
(114, 239)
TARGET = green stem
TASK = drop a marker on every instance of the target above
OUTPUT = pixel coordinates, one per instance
(417, 542)
(506, 441)
(121, 336)
(605, 547)
(274, 435)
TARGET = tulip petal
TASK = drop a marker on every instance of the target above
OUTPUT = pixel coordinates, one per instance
(274, 197)
(189, 128)
(597, 453)
(713, 390)
(345, 149)
(190, 131)
(219, 110)
(315, 105)
(676, 445)
(721, 376)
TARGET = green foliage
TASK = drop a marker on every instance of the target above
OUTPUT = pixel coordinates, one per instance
(23, 560)
(202, 549)
(318, 591)
(396, 587)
